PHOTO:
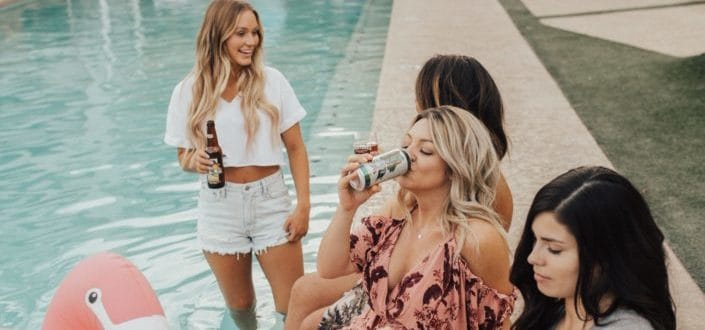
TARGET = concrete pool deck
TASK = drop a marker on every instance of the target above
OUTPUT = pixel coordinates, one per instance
(671, 27)
(547, 136)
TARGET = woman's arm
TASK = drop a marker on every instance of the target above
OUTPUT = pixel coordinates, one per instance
(193, 160)
(503, 203)
(487, 255)
(334, 251)
(297, 223)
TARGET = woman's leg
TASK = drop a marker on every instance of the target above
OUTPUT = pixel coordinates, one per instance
(313, 320)
(282, 265)
(234, 276)
(311, 296)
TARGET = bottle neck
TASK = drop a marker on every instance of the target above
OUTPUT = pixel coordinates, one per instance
(211, 136)
(211, 140)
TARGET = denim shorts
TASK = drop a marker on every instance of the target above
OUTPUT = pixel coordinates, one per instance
(243, 217)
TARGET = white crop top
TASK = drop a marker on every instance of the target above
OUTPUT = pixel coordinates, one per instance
(229, 123)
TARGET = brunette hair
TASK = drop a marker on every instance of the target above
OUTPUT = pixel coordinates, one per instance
(620, 249)
(461, 81)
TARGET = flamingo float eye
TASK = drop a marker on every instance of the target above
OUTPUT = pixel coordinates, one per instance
(93, 296)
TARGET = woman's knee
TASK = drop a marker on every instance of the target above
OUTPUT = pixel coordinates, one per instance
(304, 289)
(241, 302)
(238, 295)
(241, 297)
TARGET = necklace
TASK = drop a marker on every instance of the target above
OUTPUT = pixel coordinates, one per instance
(422, 232)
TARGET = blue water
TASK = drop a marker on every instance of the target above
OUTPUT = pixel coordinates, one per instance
(84, 86)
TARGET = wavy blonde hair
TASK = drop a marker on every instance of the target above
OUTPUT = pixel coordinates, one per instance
(213, 68)
(464, 144)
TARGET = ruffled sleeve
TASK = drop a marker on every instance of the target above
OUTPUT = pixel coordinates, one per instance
(485, 306)
(364, 240)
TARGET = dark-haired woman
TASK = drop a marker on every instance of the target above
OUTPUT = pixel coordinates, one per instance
(592, 257)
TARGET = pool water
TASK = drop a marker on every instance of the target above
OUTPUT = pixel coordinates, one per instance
(84, 87)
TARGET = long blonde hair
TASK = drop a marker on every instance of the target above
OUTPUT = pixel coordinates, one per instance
(213, 68)
(462, 141)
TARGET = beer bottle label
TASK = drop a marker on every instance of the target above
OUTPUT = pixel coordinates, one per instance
(214, 172)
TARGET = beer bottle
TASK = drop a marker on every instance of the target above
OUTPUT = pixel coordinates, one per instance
(216, 175)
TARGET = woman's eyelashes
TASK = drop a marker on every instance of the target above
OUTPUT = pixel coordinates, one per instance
(242, 33)
(425, 151)
(547, 247)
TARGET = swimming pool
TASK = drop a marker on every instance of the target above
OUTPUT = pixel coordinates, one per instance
(84, 87)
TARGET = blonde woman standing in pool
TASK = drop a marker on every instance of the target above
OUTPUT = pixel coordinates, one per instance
(256, 113)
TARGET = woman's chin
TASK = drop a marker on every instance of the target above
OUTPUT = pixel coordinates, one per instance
(403, 181)
(411, 187)
(242, 62)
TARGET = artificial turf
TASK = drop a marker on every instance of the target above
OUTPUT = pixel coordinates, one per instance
(647, 112)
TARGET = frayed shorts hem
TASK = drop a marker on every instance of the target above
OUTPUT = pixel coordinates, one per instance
(226, 251)
(239, 219)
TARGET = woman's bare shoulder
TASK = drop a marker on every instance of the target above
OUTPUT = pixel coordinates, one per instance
(487, 254)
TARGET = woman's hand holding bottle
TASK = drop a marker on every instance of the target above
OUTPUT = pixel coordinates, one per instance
(195, 161)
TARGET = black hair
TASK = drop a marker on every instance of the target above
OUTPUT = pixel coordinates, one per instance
(461, 81)
(620, 249)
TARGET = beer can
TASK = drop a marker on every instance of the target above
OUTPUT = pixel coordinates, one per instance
(383, 167)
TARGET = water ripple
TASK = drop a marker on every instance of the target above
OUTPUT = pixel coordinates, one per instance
(86, 205)
(84, 87)
(144, 222)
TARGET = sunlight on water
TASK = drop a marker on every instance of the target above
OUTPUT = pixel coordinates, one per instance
(84, 87)
(81, 206)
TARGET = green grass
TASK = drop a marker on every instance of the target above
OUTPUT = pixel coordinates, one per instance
(647, 112)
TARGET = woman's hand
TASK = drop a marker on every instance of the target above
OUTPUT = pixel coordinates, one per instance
(194, 160)
(349, 198)
(201, 162)
(296, 225)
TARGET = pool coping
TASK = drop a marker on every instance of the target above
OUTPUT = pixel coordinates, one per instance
(547, 136)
